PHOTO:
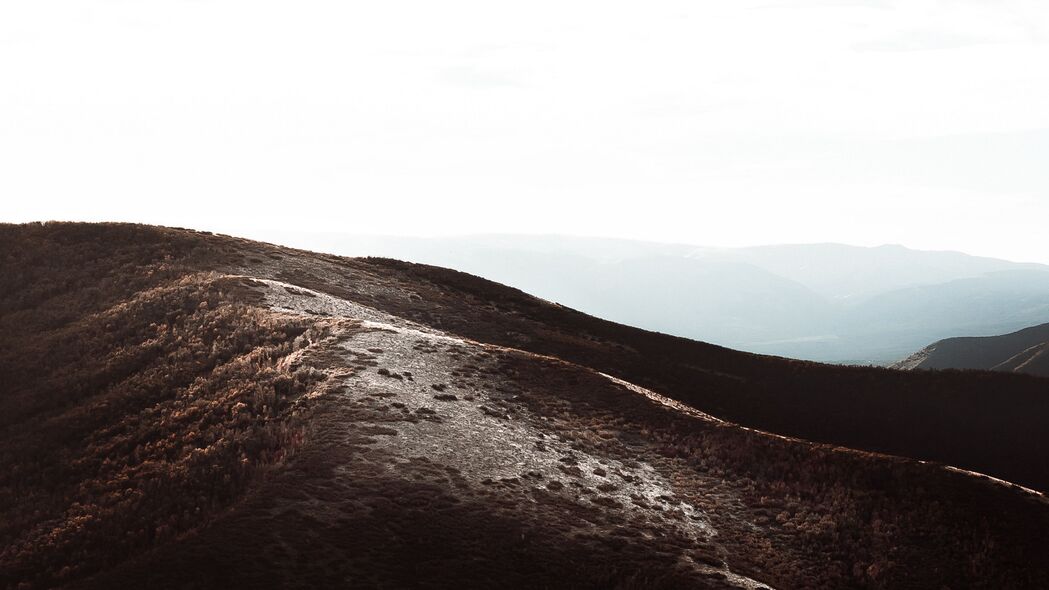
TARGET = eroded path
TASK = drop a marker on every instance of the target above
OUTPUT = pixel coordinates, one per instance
(424, 402)
(428, 453)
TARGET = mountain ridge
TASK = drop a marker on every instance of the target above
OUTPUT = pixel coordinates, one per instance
(819, 302)
(258, 416)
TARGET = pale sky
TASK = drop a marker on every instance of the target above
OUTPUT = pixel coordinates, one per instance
(715, 123)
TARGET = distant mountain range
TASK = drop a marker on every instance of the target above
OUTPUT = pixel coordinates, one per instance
(1025, 351)
(824, 302)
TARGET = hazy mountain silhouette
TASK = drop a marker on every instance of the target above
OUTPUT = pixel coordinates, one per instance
(186, 410)
(826, 302)
(852, 273)
(1024, 351)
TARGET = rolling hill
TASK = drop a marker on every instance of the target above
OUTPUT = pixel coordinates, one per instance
(824, 302)
(1024, 351)
(187, 410)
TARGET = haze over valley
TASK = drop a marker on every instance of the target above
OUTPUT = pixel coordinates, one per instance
(825, 302)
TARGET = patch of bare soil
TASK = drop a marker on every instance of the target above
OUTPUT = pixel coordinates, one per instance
(435, 461)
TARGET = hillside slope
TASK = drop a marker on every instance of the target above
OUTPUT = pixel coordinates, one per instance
(824, 302)
(1024, 351)
(187, 410)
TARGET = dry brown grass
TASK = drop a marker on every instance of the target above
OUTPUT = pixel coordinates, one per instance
(153, 419)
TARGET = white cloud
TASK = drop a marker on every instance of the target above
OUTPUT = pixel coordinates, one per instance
(717, 123)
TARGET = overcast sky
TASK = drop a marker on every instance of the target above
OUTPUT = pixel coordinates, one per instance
(715, 123)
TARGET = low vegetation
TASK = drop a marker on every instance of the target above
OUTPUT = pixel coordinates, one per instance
(135, 408)
(161, 425)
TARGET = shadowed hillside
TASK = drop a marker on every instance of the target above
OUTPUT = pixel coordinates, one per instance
(188, 410)
(1025, 351)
